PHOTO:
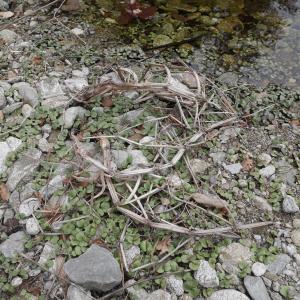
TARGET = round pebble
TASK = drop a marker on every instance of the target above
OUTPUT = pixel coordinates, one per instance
(32, 226)
(17, 281)
(259, 269)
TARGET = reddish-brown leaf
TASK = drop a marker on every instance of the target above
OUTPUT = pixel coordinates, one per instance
(136, 137)
(37, 60)
(4, 192)
(247, 164)
(107, 101)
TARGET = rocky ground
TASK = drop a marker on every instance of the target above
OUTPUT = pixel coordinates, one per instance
(62, 237)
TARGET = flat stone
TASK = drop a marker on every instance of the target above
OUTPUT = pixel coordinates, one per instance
(16, 281)
(28, 206)
(159, 295)
(2, 98)
(175, 285)
(13, 245)
(32, 226)
(233, 168)
(199, 166)
(286, 172)
(259, 269)
(229, 78)
(96, 269)
(262, 203)
(137, 156)
(28, 93)
(264, 159)
(206, 275)
(268, 171)
(8, 36)
(218, 157)
(56, 102)
(53, 185)
(27, 110)
(50, 88)
(47, 253)
(289, 204)
(228, 294)
(130, 116)
(71, 114)
(132, 253)
(44, 145)
(23, 167)
(256, 288)
(74, 293)
(76, 84)
(279, 264)
(295, 236)
(8, 109)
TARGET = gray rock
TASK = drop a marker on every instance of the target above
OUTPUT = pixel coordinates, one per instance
(32, 226)
(27, 192)
(159, 295)
(50, 88)
(262, 203)
(135, 292)
(23, 167)
(278, 265)
(275, 296)
(174, 181)
(264, 159)
(44, 145)
(259, 269)
(28, 93)
(286, 172)
(229, 78)
(199, 166)
(295, 236)
(71, 114)
(130, 117)
(96, 269)
(268, 171)
(132, 253)
(137, 156)
(2, 98)
(47, 253)
(8, 36)
(232, 255)
(56, 102)
(229, 133)
(8, 109)
(227, 294)
(76, 84)
(218, 157)
(74, 293)
(14, 244)
(53, 185)
(16, 281)
(206, 275)
(27, 110)
(289, 204)
(233, 168)
(256, 288)
(15, 200)
(4, 5)
(175, 285)
(28, 206)
(5, 85)
(11, 144)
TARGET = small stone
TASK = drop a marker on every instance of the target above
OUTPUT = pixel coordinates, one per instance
(10, 145)
(77, 31)
(159, 295)
(175, 285)
(229, 78)
(28, 206)
(2, 98)
(74, 293)
(13, 245)
(16, 281)
(227, 294)
(132, 253)
(32, 226)
(267, 171)
(130, 116)
(44, 146)
(279, 264)
(135, 292)
(233, 168)
(27, 110)
(262, 203)
(4, 5)
(174, 181)
(206, 275)
(47, 129)
(52, 186)
(28, 93)
(199, 166)
(218, 157)
(147, 140)
(76, 84)
(50, 88)
(71, 114)
(96, 269)
(289, 204)
(296, 223)
(291, 249)
(259, 269)
(47, 253)
(264, 159)
(295, 236)
(256, 288)
(8, 36)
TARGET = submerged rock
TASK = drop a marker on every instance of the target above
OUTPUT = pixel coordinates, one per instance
(96, 269)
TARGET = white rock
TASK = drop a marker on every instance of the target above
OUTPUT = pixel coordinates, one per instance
(14, 244)
(159, 295)
(47, 253)
(289, 204)
(147, 140)
(174, 181)
(233, 168)
(262, 203)
(16, 281)
(76, 84)
(199, 166)
(175, 285)
(259, 269)
(268, 171)
(206, 275)
(28, 206)
(218, 157)
(10, 145)
(228, 294)
(264, 158)
(77, 31)
(32, 226)
(27, 92)
(132, 253)
(27, 110)
(71, 114)
(74, 293)
(50, 88)
(3, 100)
